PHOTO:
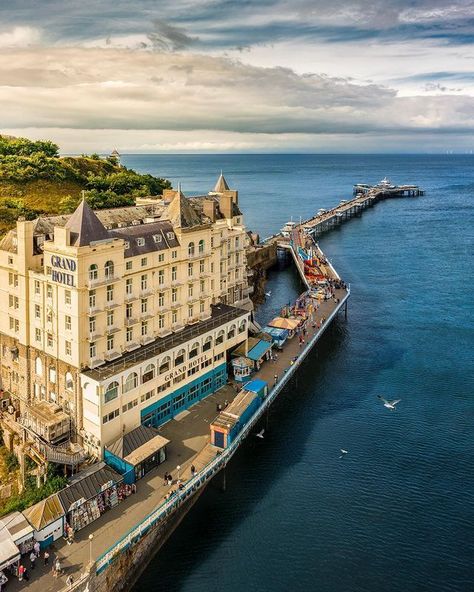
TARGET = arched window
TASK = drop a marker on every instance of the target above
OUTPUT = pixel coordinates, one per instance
(220, 337)
(93, 272)
(149, 373)
(191, 249)
(109, 269)
(201, 246)
(193, 352)
(131, 382)
(207, 344)
(38, 366)
(165, 365)
(180, 357)
(68, 381)
(231, 332)
(242, 326)
(111, 392)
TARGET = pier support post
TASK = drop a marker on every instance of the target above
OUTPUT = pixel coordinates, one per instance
(345, 311)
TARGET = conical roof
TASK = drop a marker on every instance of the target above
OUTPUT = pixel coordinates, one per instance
(85, 227)
(180, 212)
(221, 185)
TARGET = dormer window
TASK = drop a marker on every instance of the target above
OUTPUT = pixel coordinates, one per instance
(127, 245)
(157, 238)
(141, 242)
(170, 235)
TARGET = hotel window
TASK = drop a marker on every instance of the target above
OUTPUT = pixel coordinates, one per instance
(190, 311)
(49, 317)
(231, 332)
(141, 242)
(110, 342)
(161, 298)
(129, 334)
(128, 286)
(220, 338)
(193, 352)
(126, 246)
(67, 296)
(161, 277)
(49, 340)
(110, 318)
(69, 382)
(111, 416)
(110, 293)
(190, 290)
(92, 349)
(131, 382)
(161, 257)
(92, 325)
(164, 365)
(190, 269)
(207, 344)
(128, 265)
(93, 272)
(191, 249)
(201, 246)
(109, 270)
(37, 311)
(174, 254)
(148, 373)
(170, 235)
(144, 282)
(38, 334)
(67, 348)
(37, 287)
(179, 359)
(144, 305)
(161, 322)
(237, 243)
(174, 295)
(157, 238)
(67, 323)
(212, 242)
(129, 311)
(202, 285)
(201, 307)
(38, 366)
(237, 258)
(174, 273)
(144, 261)
(144, 328)
(201, 266)
(111, 392)
(49, 291)
(92, 299)
(212, 267)
(52, 375)
(174, 317)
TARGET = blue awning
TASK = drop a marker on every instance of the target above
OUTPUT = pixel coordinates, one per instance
(259, 350)
(255, 385)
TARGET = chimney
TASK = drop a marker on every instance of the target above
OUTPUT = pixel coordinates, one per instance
(209, 209)
(226, 204)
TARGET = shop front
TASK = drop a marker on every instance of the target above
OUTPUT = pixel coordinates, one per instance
(47, 518)
(91, 495)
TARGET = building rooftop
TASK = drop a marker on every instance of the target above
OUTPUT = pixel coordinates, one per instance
(85, 227)
(157, 236)
(220, 313)
(44, 512)
(138, 444)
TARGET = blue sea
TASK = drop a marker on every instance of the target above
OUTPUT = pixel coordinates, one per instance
(396, 514)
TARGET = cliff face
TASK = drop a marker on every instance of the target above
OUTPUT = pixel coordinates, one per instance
(260, 258)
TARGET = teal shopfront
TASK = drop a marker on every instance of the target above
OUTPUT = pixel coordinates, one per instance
(182, 398)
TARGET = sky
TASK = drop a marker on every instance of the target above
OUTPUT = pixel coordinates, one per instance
(239, 75)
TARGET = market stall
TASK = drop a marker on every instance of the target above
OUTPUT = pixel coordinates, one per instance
(135, 454)
(290, 324)
(48, 520)
(20, 530)
(9, 553)
(91, 493)
(279, 336)
(256, 351)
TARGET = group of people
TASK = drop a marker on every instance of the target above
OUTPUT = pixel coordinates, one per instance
(220, 407)
(23, 574)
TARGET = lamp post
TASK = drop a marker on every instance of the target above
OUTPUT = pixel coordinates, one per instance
(91, 538)
(178, 468)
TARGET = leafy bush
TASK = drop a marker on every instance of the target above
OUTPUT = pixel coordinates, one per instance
(32, 495)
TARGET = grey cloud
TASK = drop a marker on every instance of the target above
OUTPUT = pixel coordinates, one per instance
(170, 38)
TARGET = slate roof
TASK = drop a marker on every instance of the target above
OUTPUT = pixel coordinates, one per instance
(163, 231)
(88, 486)
(85, 227)
(221, 184)
(181, 213)
(126, 444)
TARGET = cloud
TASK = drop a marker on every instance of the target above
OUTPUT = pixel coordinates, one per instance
(20, 37)
(170, 38)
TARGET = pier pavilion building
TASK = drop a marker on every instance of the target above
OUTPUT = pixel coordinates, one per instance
(117, 318)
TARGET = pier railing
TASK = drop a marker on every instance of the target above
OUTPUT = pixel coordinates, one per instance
(169, 506)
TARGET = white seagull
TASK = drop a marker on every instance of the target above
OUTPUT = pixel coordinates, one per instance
(268, 294)
(389, 404)
(343, 452)
(260, 434)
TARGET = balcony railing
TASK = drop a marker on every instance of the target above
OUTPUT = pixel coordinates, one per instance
(101, 281)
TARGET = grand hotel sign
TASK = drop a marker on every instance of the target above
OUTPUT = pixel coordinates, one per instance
(62, 268)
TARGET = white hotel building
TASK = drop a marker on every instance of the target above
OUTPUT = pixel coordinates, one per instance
(117, 318)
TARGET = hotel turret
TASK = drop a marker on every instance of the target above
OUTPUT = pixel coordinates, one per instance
(117, 318)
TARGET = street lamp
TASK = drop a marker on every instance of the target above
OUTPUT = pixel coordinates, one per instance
(178, 469)
(91, 538)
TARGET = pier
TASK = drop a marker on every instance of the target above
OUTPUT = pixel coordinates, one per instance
(125, 538)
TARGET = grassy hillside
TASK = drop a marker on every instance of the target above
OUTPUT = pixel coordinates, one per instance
(35, 180)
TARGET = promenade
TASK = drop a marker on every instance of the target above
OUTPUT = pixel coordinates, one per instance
(189, 436)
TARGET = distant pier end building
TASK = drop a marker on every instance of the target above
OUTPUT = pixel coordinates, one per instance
(117, 318)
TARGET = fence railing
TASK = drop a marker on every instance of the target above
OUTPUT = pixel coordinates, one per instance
(200, 479)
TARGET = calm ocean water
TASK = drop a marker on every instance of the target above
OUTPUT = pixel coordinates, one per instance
(396, 513)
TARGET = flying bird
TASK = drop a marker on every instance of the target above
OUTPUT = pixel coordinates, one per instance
(389, 404)
(260, 434)
(343, 452)
(268, 294)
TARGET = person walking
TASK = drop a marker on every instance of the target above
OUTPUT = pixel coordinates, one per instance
(46, 557)
(193, 470)
(36, 548)
(21, 572)
(57, 568)
(32, 559)
(70, 580)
